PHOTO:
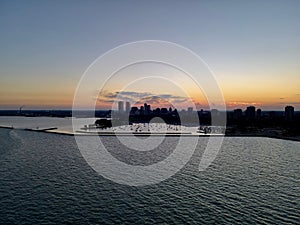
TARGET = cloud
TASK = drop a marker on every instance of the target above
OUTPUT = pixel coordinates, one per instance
(135, 94)
(121, 95)
(111, 95)
(292, 103)
(152, 100)
(180, 100)
(242, 104)
(141, 97)
(107, 101)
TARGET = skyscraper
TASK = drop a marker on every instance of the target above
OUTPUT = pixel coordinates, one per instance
(128, 106)
(258, 113)
(237, 113)
(289, 112)
(121, 106)
(250, 112)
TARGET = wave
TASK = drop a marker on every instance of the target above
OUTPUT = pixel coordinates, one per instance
(16, 138)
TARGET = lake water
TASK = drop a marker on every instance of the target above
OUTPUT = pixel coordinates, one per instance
(44, 179)
(62, 124)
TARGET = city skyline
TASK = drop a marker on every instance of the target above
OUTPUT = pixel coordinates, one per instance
(158, 101)
(249, 111)
(251, 47)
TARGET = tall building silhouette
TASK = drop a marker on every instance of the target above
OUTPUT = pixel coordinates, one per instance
(250, 112)
(258, 113)
(237, 113)
(147, 108)
(121, 106)
(128, 107)
(134, 110)
(289, 112)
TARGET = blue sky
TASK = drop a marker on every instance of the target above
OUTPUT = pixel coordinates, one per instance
(47, 45)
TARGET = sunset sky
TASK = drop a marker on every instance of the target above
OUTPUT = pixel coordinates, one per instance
(252, 47)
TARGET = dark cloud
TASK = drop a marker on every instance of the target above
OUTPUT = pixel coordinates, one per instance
(180, 100)
(134, 94)
(111, 95)
(123, 95)
(106, 101)
(155, 101)
(140, 97)
(168, 96)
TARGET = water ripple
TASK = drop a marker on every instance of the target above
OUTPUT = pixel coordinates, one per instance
(44, 179)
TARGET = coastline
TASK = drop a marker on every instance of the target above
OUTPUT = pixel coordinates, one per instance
(265, 136)
(54, 130)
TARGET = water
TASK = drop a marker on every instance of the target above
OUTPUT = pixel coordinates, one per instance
(62, 124)
(44, 179)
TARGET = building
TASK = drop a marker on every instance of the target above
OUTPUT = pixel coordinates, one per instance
(147, 108)
(134, 111)
(156, 111)
(214, 113)
(121, 106)
(142, 109)
(258, 113)
(163, 110)
(250, 112)
(190, 109)
(237, 113)
(128, 107)
(289, 112)
(272, 115)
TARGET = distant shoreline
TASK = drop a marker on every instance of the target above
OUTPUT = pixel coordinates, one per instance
(265, 136)
(54, 131)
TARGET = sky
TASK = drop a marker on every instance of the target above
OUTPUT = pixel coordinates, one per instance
(252, 47)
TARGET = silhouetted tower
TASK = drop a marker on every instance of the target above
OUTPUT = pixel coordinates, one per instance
(148, 108)
(289, 112)
(258, 113)
(250, 112)
(237, 113)
(163, 110)
(215, 112)
(128, 107)
(20, 109)
(134, 110)
(121, 106)
(142, 109)
(156, 111)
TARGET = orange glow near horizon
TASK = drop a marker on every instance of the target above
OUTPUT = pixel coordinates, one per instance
(239, 92)
(65, 102)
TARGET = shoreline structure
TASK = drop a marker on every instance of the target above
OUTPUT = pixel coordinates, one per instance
(54, 130)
